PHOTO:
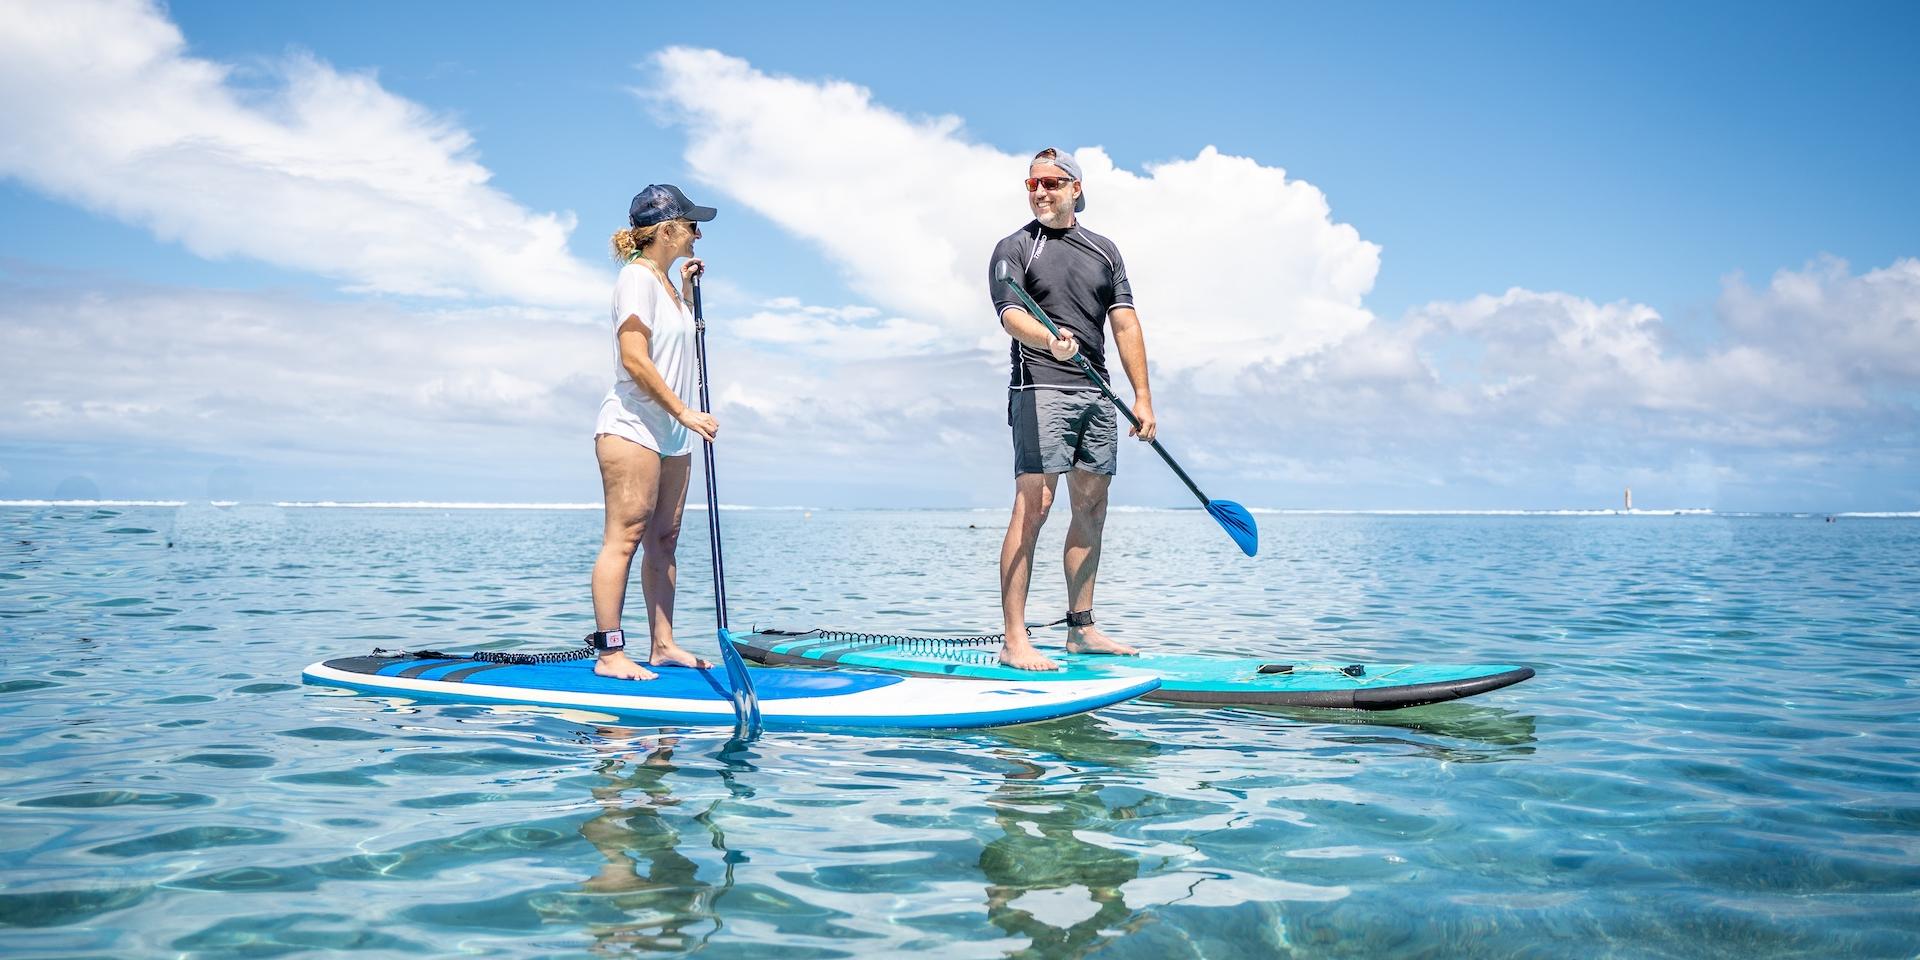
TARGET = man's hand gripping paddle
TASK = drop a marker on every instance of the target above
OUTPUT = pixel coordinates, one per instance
(1232, 517)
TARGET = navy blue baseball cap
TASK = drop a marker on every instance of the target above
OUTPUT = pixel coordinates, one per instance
(661, 202)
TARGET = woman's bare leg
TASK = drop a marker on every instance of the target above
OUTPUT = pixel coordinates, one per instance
(657, 568)
(630, 480)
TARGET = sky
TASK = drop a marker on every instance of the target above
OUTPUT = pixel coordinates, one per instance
(1387, 256)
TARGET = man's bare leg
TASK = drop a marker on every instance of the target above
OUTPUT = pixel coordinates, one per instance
(1032, 498)
(1088, 492)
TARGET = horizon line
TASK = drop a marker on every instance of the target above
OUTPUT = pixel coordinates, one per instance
(1120, 508)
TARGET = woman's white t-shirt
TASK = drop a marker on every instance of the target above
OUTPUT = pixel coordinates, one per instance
(627, 411)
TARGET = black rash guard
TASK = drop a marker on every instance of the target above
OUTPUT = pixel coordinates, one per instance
(1076, 276)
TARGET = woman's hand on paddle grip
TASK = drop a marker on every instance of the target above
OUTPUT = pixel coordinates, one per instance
(701, 423)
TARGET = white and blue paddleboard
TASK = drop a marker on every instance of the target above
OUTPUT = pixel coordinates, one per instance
(1184, 678)
(686, 696)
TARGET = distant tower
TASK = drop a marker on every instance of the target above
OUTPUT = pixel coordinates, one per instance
(1629, 499)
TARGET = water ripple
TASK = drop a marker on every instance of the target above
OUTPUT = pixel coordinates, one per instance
(1717, 759)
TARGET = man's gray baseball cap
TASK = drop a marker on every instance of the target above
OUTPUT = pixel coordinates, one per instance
(661, 202)
(1065, 161)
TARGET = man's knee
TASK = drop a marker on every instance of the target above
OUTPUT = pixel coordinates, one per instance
(1089, 496)
(1031, 504)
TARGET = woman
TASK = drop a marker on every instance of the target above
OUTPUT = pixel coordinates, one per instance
(648, 426)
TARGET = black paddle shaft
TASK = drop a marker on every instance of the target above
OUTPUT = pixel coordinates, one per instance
(746, 704)
(1005, 273)
(713, 488)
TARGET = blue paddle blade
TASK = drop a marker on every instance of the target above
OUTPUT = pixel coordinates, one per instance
(746, 703)
(1238, 523)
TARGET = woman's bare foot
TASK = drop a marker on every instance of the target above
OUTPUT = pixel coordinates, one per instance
(616, 878)
(618, 665)
(1089, 639)
(1020, 655)
(671, 653)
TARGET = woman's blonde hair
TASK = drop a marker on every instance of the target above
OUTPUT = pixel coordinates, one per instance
(631, 242)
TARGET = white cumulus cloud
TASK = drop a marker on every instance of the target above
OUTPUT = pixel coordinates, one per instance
(219, 370)
(1813, 342)
(320, 171)
(909, 210)
(841, 333)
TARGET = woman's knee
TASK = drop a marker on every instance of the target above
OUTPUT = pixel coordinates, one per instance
(625, 537)
(662, 538)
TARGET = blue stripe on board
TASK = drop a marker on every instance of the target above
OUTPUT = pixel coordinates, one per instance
(414, 668)
(933, 721)
(674, 682)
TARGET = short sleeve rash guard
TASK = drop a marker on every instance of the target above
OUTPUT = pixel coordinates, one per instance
(1076, 276)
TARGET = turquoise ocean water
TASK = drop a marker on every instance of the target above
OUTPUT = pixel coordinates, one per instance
(1720, 756)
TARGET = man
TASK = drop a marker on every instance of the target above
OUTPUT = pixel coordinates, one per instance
(1061, 424)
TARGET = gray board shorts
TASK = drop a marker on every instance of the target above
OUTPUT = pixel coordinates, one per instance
(1059, 430)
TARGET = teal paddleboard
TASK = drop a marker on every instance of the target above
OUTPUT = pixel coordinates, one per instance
(1184, 678)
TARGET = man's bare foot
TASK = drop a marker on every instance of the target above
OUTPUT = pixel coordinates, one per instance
(1020, 655)
(671, 653)
(1089, 639)
(621, 667)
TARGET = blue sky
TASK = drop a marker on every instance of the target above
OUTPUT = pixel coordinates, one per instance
(1518, 257)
